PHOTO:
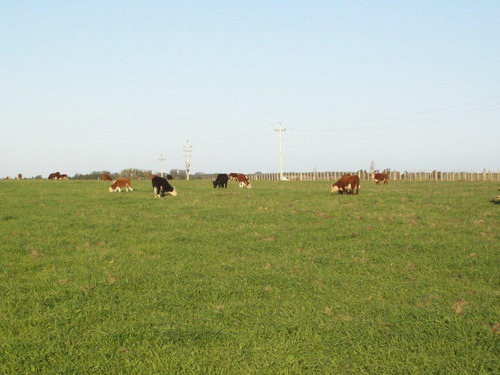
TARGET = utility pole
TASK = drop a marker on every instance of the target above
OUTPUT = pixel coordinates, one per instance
(281, 130)
(187, 155)
(162, 163)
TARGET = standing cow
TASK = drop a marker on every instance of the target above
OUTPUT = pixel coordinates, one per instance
(106, 177)
(346, 183)
(54, 176)
(221, 181)
(161, 186)
(120, 183)
(243, 181)
(377, 177)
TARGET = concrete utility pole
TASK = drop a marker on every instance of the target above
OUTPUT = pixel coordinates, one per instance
(281, 130)
(187, 155)
(162, 163)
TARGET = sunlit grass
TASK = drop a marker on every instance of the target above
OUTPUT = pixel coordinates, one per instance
(281, 278)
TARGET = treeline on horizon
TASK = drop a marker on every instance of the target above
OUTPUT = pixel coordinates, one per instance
(133, 174)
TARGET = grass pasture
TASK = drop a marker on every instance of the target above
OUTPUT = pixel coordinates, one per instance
(283, 278)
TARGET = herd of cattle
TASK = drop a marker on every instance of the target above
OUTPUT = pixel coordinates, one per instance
(222, 179)
(347, 184)
(58, 176)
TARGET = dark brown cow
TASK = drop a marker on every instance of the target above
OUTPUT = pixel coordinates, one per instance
(54, 176)
(106, 177)
(221, 181)
(243, 181)
(120, 183)
(377, 177)
(346, 182)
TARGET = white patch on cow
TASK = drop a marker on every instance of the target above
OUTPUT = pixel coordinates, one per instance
(242, 184)
(173, 193)
(111, 189)
(334, 188)
(348, 187)
(249, 186)
(156, 192)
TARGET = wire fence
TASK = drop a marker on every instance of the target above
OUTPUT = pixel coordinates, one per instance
(393, 175)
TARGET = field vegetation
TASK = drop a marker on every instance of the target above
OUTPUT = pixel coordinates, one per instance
(283, 278)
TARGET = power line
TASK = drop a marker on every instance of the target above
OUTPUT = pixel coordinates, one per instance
(405, 123)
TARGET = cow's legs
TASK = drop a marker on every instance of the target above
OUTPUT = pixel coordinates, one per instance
(155, 190)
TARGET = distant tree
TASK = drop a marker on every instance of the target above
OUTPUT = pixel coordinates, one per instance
(179, 174)
(95, 175)
(136, 174)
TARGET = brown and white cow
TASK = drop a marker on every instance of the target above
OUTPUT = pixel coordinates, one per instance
(63, 177)
(54, 176)
(346, 183)
(120, 183)
(105, 177)
(243, 181)
(19, 176)
(377, 177)
(233, 176)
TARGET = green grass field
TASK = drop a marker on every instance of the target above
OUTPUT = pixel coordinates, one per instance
(283, 278)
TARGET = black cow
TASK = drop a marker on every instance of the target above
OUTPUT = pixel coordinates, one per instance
(161, 187)
(221, 181)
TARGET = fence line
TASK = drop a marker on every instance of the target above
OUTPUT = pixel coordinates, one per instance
(393, 175)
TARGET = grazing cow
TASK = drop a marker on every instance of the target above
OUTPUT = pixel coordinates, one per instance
(161, 186)
(346, 183)
(63, 177)
(54, 176)
(243, 181)
(106, 177)
(221, 181)
(233, 176)
(19, 176)
(380, 177)
(120, 183)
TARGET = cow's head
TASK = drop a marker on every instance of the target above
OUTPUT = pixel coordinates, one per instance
(170, 190)
(249, 186)
(111, 189)
(242, 184)
(334, 189)
(215, 183)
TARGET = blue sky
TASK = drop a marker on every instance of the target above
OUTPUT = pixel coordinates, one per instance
(109, 85)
